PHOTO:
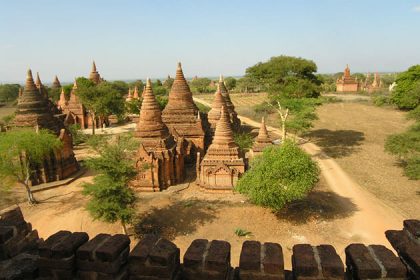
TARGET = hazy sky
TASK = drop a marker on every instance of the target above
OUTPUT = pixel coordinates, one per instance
(139, 39)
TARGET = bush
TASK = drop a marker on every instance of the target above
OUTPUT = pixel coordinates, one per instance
(203, 108)
(78, 136)
(406, 94)
(243, 140)
(279, 176)
(381, 100)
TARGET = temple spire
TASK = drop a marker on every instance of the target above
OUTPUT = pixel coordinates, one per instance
(263, 133)
(56, 83)
(223, 135)
(218, 103)
(38, 81)
(93, 66)
(136, 92)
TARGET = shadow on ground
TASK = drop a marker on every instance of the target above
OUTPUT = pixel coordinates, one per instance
(179, 218)
(318, 205)
(336, 143)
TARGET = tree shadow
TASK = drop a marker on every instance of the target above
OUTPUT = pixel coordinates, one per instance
(318, 205)
(337, 143)
(180, 218)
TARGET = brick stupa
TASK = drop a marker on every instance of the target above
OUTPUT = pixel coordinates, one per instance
(262, 141)
(94, 75)
(181, 115)
(163, 156)
(347, 83)
(33, 111)
(213, 115)
(221, 167)
(236, 123)
(56, 83)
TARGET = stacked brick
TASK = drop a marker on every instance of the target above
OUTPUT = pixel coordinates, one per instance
(16, 235)
(261, 262)
(316, 262)
(103, 257)
(373, 262)
(57, 255)
(154, 258)
(407, 244)
(207, 260)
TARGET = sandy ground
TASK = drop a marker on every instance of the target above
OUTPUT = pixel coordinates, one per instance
(340, 211)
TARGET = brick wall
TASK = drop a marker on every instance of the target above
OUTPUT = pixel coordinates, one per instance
(72, 255)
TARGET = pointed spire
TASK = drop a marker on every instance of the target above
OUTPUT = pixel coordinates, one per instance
(20, 91)
(221, 79)
(150, 123)
(218, 103)
(223, 136)
(136, 93)
(38, 81)
(93, 66)
(129, 96)
(73, 95)
(56, 83)
(30, 85)
(263, 136)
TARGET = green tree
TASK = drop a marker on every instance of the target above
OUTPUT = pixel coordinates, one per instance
(9, 92)
(22, 150)
(111, 199)
(246, 85)
(138, 83)
(406, 94)
(168, 82)
(200, 85)
(244, 140)
(280, 175)
(133, 106)
(286, 76)
(230, 83)
(101, 100)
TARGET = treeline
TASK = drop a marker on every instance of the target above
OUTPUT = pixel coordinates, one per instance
(8, 92)
(406, 145)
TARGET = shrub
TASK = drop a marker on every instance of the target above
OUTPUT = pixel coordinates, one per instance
(406, 94)
(243, 140)
(78, 136)
(280, 175)
(381, 100)
(203, 108)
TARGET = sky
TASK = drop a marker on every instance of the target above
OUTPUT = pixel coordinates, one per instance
(140, 39)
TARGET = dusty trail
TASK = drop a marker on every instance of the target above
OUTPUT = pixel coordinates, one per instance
(373, 217)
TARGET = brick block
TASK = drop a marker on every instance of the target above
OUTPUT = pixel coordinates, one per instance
(392, 265)
(87, 250)
(6, 233)
(332, 266)
(194, 256)
(413, 227)
(304, 262)
(272, 261)
(163, 253)
(250, 258)
(218, 256)
(112, 247)
(360, 262)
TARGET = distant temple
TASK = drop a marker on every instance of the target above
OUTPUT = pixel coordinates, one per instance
(376, 84)
(262, 141)
(160, 157)
(181, 115)
(222, 165)
(347, 83)
(94, 75)
(56, 83)
(236, 123)
(33, 110)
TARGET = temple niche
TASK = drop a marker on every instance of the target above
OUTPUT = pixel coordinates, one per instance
(33, 111)
(222, 165)
(347, 83)
(236, 123)
(182, 116)
(160, 157)
(262, 141)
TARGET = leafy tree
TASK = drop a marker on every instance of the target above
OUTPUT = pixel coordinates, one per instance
(162, 101)
(101, 100)
(406, 146)
(77, 134)
(230, 83)
(406, 94)
(22, 150)
(138, 83)
(120, 86)
(243, 140)
(111, 199)
(203, 108)
(9, 92)
(168, 82)
(160, 90)
(158, 83)
(286, 76)
(245, 84)
(280, 175)
(133, 106)
(54, 93)
(200, 85)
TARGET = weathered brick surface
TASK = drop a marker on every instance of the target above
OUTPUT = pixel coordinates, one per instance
(260, 262)
(392, 265)
(16, 235)
(331, 264)
(57, 254)
(407, 244)
(103, 257)
(207, 260)
(154, 258)
(22, 266)
(304, 262)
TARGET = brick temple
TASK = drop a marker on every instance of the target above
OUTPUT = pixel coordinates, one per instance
(33, 110)
(222, 165)
(213, 115)
(262, 141)
(347, 83)
(56, 83)
(159, 150)
(236, 123)
(94, 75)
(182, 116)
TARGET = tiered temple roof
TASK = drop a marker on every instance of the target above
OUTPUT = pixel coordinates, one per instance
(181, 113)
(40, 86)
(223, 164)
(218, 102)
(56, 83)
(129, 95)
(94, 74)
(347, 83)
(33, 109)
(263, 139)
(136, 93)
(62, 102)
(236, 123)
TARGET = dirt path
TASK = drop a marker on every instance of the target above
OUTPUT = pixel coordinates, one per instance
(373, 217)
